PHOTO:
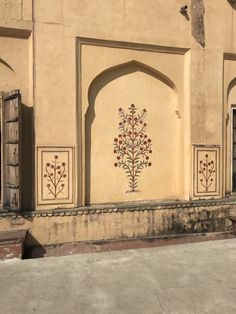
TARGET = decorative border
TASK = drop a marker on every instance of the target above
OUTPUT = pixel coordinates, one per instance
(39, 181)
(215, 169)
(120, 208)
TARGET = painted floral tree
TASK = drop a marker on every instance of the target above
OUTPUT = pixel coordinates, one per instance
(132, 146)
(55, 173)
(207, 170)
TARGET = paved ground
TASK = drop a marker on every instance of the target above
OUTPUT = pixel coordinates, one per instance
(190, 278)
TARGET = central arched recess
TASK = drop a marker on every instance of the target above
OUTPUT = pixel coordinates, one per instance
(149, 90)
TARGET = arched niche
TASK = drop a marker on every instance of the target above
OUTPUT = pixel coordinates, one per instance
(120, 86)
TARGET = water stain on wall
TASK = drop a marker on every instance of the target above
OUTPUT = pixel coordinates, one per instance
(198, 25)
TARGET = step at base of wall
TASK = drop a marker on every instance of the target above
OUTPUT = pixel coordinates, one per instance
(12, 244)
(122, 244)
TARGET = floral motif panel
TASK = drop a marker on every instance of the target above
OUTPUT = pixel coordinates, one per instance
(55, 175)
(206, 174)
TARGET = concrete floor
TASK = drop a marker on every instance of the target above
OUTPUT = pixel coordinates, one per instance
(189, 278)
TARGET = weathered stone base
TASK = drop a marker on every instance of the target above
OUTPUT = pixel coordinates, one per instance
(125, 244)
(121, 221)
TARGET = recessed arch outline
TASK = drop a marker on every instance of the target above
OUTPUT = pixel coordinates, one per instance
(122, 69)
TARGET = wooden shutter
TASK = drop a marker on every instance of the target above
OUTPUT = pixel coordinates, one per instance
(1, 149)
(11, 112)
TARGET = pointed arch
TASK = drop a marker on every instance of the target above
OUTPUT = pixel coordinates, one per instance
(6, 64)
(230, 86)
(119, 70)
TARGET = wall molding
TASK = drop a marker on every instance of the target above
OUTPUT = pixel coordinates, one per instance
(19, 30)
(120, 208)
(130, 45)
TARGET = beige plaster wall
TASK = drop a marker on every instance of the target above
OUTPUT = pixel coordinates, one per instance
(134, 22)
(46, 71)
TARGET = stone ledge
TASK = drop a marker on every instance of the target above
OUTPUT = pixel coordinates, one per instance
(16, 29)
(13, 236)
(85, 247)
(118, 208)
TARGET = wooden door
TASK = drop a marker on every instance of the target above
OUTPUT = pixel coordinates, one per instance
(11, 116)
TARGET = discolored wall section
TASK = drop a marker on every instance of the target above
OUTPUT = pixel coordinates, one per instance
(120, 223)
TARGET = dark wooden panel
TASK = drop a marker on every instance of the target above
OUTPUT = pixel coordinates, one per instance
(12, 150)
